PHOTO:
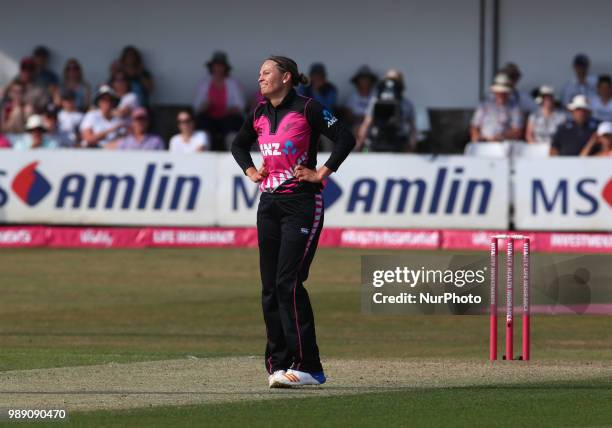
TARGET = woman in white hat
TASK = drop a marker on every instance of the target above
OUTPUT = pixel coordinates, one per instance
(601, 141)
(35, 137)
(542, 124)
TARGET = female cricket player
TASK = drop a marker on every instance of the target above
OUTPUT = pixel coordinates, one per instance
(287, 127)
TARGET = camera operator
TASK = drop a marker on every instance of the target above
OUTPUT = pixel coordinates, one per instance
(389, 124)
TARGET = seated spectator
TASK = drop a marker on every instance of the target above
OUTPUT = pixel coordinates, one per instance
(602, 103)
(139, 138)
(497, 120)
(188, 140)
(219, 102)
(54, 133)
(600, 144)
(100, 127)
(319, 88)
(357, 103)
(69, 118)
(5, 142)
(74, 81)
(44, 77)
(522, 99)
(389, 122)
(34, 94)
(573, 135)
(128, 100)
(542, 125)
(14, 110)
(140, 79)
(582, 84)
(35, 137)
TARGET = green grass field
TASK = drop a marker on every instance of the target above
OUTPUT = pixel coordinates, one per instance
(63, 308)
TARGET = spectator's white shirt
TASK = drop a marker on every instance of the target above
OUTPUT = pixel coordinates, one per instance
(198, 141)
(96, 121)
(129, 100)
(69, 122)
(601, 111)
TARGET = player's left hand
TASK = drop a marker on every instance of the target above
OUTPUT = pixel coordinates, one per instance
(304, 174)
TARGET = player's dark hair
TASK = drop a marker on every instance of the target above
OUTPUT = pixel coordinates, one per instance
(287, 65)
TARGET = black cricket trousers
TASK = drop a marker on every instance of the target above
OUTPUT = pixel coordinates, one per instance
(288, 229)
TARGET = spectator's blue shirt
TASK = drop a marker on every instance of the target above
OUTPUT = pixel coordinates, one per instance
(570, 138)
(327, 95)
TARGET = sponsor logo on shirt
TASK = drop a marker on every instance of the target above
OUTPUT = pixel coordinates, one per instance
(270, 149)
(289, 148)
(329, 118)
(304, 231)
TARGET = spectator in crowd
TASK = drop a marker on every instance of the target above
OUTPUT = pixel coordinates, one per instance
(74, 81)
(582, 84)
(320, 89)
(542, 124)
(69, 118)
(115, 67)
(364, 81)
(188, 140)
(389, 122)
(523, 100)
(35, 137)
(14, 109)
(602, 103)
(128, 100)
(139, 137)
(54, 133)
(573, 135)
(44, 77)
(219, 102)
(34, 95)
(600, 144)
(100, 126)
(497, 120)
(141, 79)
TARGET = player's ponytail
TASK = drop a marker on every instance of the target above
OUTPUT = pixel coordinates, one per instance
(287, 65)
(303, 79)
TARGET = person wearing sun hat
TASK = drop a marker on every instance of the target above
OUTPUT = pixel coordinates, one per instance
(497, 119)
(571, 136)
(100, 126)
(356, 105)
(542, 124)
(35, 137)
(219, 101)
(600, 144)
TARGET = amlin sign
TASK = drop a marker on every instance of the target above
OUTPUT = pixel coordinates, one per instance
(106, 188)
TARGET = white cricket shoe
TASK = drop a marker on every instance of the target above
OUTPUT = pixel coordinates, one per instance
(297, 378)
(273, 378)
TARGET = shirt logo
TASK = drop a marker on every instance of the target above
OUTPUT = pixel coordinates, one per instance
(289, 148)
(270, 149)
(329, 118)
(304, 231)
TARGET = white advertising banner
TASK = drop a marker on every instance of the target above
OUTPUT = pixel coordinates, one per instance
(385, 190)
(103, 187)
(563, 194)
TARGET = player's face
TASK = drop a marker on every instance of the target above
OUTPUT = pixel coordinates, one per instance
(270, 78)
